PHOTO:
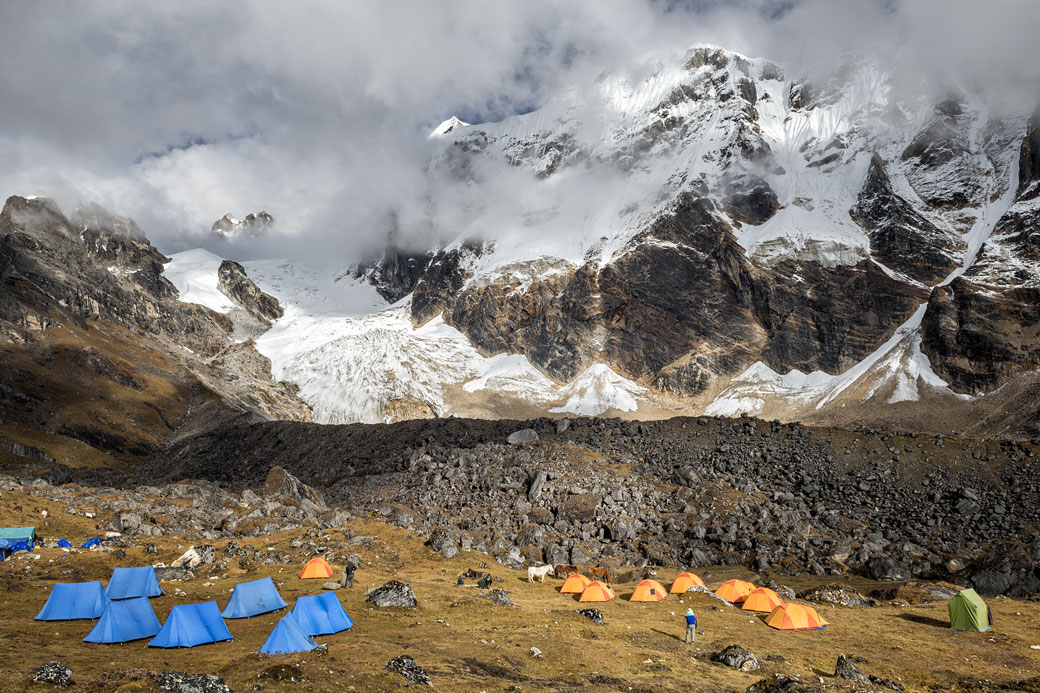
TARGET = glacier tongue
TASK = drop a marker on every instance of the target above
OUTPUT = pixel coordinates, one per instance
(194, 273)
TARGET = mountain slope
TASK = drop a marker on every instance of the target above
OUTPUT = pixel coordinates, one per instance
(697, 226)
(103, 364)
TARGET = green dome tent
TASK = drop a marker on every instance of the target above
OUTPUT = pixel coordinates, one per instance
(969, 612)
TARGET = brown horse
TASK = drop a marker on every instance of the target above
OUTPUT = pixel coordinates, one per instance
(602, 574)
(565, 570)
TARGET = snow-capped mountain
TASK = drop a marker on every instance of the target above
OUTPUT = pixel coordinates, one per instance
(253, 225)
(702, 233)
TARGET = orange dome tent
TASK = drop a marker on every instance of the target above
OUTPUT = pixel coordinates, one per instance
(316, 568)
(735, 590)
(575, 584)
(648, 591)
(795, 617)
(684, 581)
(596, 592)
(762, 599)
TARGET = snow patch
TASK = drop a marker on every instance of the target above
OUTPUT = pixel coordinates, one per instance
(597, 390)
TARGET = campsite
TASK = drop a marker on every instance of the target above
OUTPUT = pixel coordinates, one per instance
(468, 643)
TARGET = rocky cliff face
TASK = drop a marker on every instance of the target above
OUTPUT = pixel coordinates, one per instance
(982, 329)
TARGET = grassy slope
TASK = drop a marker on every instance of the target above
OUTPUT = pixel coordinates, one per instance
(469, 644)
(105, 381)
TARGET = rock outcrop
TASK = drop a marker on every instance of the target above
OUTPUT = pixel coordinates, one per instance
(240, 288)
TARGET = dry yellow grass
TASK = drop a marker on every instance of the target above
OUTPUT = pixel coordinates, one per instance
(470, 644)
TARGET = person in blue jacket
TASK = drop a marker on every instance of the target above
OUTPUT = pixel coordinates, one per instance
(691, 626)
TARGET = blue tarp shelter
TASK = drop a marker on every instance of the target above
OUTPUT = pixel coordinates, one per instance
(125, 620)
(20, 546)
(64, 544)
(253, 598)
(189, 625)
(287, 637)
(321, 614)
(72, 600)
(91, 543)
(127, 583)
(26, 534)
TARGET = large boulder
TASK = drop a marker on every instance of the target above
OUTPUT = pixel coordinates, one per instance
(524, 435)
(737, 657)
(393, 594)
(444, 543)
(281, 485)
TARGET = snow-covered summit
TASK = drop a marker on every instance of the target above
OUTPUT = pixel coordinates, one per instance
(452, 123)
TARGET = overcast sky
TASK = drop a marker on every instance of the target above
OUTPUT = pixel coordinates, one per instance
(174, 113)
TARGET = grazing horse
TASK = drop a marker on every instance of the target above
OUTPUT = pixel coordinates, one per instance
(564, 570)
(600, 574)
(539, 572)
(472, 574)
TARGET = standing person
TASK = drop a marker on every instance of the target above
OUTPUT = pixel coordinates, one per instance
(691, 627)
(348, 575)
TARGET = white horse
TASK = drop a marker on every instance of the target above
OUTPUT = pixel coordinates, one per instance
(539, 572)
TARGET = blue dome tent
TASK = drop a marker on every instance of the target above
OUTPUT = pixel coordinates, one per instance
(125, 620)
(321, 614)
(127, 583)
(73, 600)
(287, 637)
(253, 598)
(189, 625)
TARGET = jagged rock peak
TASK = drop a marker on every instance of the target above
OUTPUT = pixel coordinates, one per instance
(253, 225)
(447, 126)
(235, 284)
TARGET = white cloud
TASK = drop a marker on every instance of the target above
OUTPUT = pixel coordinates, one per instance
(174, 113)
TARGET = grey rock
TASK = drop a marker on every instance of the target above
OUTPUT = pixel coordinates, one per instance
(393, 594)
(537, 483)
(594, 615)
(737, 657)
(281, 483)
(407, 667)
(54, 673)
(562, 425)
(511, 558)
(497, 596)
(167, 574)
(524, 435)
(444, 543)
(177, 682)
(841, 595)
(845, 669)
(331, 586)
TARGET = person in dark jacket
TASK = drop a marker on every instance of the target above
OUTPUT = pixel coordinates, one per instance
(691, 626)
